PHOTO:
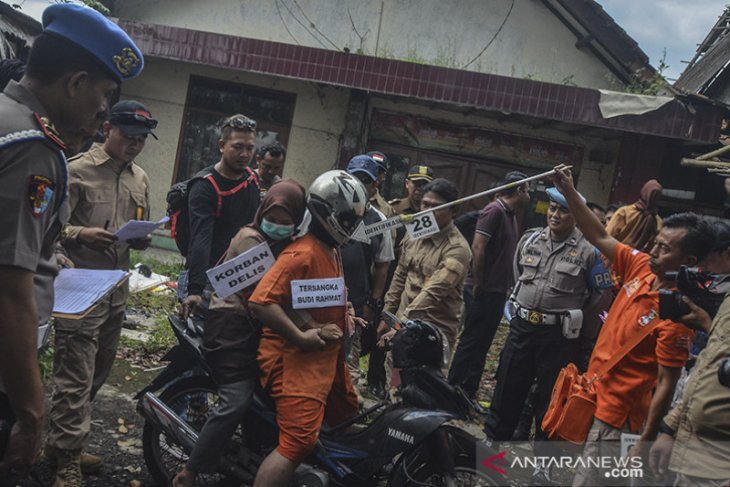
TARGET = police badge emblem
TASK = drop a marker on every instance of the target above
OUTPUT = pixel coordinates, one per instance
(40, 194)
(126, 61)
(534, 317)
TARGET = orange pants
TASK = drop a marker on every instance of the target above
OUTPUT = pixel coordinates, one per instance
(300, 418)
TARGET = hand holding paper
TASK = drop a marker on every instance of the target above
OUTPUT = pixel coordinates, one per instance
(138, 229)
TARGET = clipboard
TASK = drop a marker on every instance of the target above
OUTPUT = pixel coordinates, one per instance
(78, 291)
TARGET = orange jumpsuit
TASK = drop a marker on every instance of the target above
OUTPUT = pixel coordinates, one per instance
(303, 383)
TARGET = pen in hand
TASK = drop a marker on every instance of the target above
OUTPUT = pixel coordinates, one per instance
(106, 225)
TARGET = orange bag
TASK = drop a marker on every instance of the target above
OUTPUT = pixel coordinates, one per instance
(572, 406)
(573, 401)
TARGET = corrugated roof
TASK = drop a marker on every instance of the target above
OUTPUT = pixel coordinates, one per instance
(14, 26)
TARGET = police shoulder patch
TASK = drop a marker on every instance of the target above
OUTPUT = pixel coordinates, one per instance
(40, 194)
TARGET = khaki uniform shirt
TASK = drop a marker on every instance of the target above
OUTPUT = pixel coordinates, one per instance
(382, 206)
(101, 191)
(701, 420)
(33, 179)
(428, 283)
(402, 206)
(379, 203)
(553, 277)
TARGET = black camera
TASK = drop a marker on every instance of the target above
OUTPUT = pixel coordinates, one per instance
(697, 286)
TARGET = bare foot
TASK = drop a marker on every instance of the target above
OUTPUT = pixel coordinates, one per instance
(185, 478)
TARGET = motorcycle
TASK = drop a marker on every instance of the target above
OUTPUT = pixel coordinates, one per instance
(400, 444)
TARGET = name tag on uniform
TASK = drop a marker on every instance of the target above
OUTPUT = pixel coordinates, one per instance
(318, 293)
(422, 226)
(241, 271)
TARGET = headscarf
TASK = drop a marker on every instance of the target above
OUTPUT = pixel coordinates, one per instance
(649, 197)
(642, 227)
(288, 195)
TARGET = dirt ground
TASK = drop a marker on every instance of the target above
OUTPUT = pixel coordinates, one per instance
(116, 433)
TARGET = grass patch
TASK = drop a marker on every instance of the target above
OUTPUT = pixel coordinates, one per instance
(162, 336)
(45, 360)
(153, 303)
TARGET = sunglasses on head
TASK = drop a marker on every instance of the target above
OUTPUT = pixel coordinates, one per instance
(139, 116)
(241, 123)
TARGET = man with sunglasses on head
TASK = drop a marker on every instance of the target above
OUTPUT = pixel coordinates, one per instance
(106, 190)
(221, 200)
(269, 165)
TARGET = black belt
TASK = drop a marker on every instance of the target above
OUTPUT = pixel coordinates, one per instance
(538, 318)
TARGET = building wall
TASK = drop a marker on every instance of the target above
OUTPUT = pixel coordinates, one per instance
(313, 141)
(532, 42)
(596, 178)
(318, 122)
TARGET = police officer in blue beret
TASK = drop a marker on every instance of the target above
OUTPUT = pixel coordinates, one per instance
(75, 65)
(558, 273)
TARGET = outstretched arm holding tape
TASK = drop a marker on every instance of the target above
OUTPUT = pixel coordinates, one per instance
(586, 221)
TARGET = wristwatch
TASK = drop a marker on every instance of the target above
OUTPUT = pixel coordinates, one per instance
(664, 428)
(374, 303)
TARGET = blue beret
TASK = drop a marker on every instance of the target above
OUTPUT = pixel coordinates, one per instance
(97, 35)
(558, 197)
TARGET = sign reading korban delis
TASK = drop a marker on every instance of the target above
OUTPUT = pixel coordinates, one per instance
(241, 271)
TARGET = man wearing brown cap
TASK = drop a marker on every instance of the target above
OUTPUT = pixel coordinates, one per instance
(106, 190)
(418, 177)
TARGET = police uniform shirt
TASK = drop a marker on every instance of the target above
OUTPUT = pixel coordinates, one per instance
(554, 277)
(33, 190)
(101, 191)
(429, 280)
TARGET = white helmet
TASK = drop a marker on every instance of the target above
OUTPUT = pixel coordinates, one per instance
(338, 201)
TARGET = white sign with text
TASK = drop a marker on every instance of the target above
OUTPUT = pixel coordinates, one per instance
(318, 293)
(422, 226)
(241, 271)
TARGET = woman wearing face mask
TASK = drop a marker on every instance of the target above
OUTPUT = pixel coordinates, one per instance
(231, 335)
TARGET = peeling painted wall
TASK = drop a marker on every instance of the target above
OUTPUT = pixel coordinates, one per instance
(519, 38)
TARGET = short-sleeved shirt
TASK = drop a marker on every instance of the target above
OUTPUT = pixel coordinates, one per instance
(499, 223)
(554, 277)
(359, 257)
(624, 393)
(306, 374)
(33, 188)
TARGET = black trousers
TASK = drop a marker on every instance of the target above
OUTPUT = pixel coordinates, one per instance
(530, 352)
(7, 419)
(483, 315)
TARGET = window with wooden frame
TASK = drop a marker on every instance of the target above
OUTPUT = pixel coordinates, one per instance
(210, 101)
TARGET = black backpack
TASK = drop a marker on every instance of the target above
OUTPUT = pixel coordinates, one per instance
(177, 204)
